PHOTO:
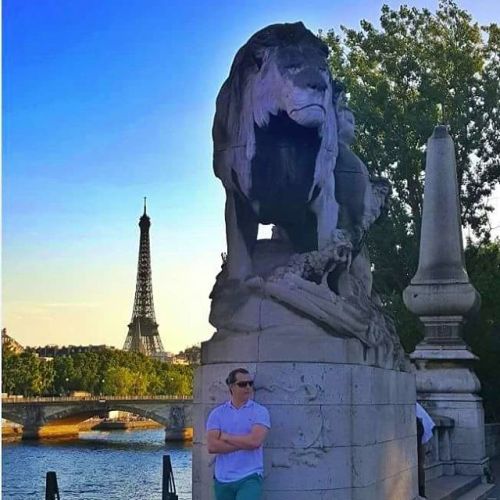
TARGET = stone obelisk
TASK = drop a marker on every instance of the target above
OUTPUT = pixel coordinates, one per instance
(441, 295)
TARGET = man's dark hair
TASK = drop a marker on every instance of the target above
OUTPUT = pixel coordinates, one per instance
(231, 378)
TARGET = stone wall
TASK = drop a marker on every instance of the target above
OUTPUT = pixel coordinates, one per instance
(339, 429)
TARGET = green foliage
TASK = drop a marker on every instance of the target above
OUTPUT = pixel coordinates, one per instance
(415, 71)
(26, 374)
(419, 69)
(482, 332)
(109, 372)
(192, 354)
(120, 381)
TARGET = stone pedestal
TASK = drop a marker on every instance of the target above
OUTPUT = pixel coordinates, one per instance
(185, 434)
(447, 387)
(342, 427)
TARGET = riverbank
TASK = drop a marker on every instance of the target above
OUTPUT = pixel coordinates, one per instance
(125, 425)
(12, 432)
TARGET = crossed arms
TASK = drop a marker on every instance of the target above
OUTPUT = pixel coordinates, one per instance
(221, 442)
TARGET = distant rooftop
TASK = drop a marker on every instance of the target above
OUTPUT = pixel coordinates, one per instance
(51, 350)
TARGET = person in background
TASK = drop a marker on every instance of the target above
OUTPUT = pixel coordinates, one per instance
(235, 433)
(425, 425)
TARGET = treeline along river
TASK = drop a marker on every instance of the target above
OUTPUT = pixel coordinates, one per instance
(117, 465)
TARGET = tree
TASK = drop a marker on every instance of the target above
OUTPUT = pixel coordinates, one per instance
(119, 381)
(109, 372)
(192, 354)
(26, 374)
(416, 70)
(483, 331)
(9, 359)
(64, 374)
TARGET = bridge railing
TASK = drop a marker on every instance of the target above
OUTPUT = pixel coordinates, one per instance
(63, 399)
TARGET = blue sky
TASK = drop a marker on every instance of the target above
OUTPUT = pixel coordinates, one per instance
(105, 102)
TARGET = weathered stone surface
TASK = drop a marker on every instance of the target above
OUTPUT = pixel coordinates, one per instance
(213, 389)
(372, 464)
(338, 494)
(201, 412)
(244, 345)
(380, 423)
(492, 438)
(305, 469)
(448, 380)
(326, 436)
(441, 286)
(306, 344)
(373, 385)
(441, 295)
(202, 473)
(278, 137)
(400, 486)
(303, 383)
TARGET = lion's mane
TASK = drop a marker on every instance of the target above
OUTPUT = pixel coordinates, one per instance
(238, 108)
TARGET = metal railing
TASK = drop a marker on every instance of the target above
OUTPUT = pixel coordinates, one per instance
(63, 399)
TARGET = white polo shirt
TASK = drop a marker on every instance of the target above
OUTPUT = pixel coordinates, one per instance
(239, 421)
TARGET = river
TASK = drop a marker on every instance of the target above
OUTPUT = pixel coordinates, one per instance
(118, 465)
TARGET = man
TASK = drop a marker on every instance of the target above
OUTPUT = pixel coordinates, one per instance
(235, 432)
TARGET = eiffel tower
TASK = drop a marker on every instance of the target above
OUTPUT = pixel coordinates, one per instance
(143, 333)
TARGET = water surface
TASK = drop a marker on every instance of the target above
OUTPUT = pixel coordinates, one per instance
(118, 465)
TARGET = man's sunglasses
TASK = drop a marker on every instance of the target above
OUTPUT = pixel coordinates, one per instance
(245, 383)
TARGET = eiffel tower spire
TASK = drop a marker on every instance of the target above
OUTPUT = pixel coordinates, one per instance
(143, 335)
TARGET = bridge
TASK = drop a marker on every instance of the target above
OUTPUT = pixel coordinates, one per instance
(43, 417)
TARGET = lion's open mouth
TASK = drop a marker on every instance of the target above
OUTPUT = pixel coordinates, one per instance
(283, 167)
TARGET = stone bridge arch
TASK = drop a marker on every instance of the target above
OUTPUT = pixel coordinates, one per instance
(72, 413)
(55, 417)
(12, 416)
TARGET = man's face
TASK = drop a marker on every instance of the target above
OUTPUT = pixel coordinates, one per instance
(242, 388)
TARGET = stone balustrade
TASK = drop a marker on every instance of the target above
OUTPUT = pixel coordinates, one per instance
(492, 436)
(438, 458)
(58, 399)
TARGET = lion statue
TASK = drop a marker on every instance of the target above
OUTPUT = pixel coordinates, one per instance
(282, 148)
(276, 143)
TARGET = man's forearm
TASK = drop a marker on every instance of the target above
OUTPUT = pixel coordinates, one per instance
(242, 442)
(220, 446)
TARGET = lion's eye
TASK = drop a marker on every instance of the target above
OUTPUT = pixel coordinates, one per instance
(257, 61)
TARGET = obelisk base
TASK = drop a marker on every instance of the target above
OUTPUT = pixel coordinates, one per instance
(447, 386)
